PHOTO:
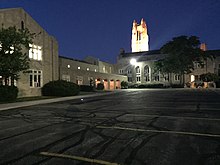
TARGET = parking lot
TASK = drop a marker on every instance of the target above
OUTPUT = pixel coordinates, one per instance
(150, 126)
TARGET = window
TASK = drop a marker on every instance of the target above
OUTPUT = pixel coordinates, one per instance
(129, 79)
(137, 69)
(35, 78)
(79, 80)
(11, 49)
(196, 77)
(176, 77)
(129, 71)
(35, 52)
(218, 69)
(156, 76)
(66, 77)
(166, 77)
(120, 71)
(7, 81)
(22, 25)
(147, 73)
(138, 79)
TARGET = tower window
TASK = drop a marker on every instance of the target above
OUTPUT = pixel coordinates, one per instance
(22, 25)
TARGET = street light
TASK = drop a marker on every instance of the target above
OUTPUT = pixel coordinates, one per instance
(133, 61)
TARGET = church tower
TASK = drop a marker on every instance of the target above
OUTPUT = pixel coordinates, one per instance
(140, 39)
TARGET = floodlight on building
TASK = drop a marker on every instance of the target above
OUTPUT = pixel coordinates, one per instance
(133, 61)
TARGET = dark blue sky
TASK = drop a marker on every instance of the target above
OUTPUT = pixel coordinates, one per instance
(101, 27)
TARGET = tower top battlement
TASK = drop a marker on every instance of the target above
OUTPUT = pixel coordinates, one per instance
(140, 39)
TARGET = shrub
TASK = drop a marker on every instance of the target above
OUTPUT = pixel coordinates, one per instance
(8, 93)
(151, 86)
(176, 85)
(60, 88)
(100, 86)
(124, 85)
(86, 88)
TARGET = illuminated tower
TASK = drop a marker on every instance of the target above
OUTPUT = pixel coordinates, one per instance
(140, 39)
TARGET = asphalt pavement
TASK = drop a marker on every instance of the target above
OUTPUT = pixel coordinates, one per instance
(131, 127)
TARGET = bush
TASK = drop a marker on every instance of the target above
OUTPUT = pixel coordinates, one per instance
(100, 86)
(60, 88)
(176, 85)
(86, 88)
(8, 93)
(151, 86)
(124, 85)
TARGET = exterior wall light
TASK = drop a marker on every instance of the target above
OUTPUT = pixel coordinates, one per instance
(133, 61)
(68, 66)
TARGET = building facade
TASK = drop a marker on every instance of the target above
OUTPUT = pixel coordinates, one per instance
(91, 71)
(139, 68)
(43, 54)
(46, 65)
(138, 65)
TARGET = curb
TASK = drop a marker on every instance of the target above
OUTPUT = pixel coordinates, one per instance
(8, 106)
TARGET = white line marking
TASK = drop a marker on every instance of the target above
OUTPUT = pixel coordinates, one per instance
(182, 117)
(77, 158)
(158, 131)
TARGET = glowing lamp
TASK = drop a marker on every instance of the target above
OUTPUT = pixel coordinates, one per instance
(133, 61)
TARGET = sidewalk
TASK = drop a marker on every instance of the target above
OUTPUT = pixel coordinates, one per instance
(46, 101)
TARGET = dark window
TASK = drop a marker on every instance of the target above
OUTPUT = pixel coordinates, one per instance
(129, 79)
(31, 82)
(22, 25)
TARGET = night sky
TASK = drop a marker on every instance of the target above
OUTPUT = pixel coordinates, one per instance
(100, 28)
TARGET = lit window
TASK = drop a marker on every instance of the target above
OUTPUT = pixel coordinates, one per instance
(35, 52)
(78, 67)
(6, 52)
(79, 80)
(35, 78)
(66, 78)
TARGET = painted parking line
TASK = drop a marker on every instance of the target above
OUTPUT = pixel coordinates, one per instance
(79, 158)
(159, 131)
(176, 117)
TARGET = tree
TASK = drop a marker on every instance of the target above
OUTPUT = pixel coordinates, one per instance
(14, 45)
(180, 55)
(208, 77)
